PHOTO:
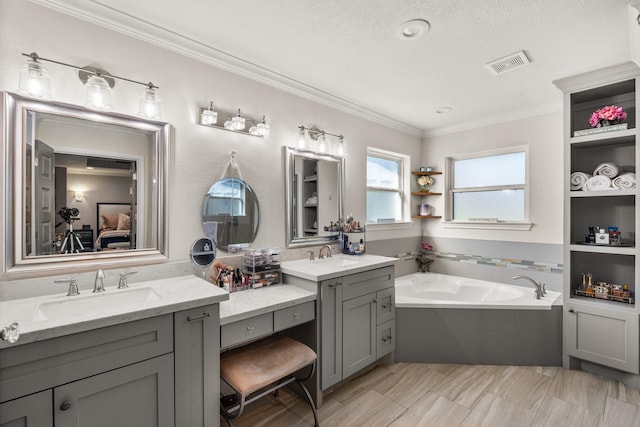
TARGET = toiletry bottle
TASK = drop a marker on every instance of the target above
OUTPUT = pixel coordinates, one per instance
(345, 244)
(361, 247)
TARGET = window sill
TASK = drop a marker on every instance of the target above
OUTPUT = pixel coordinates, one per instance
(479, 225)
(388, 225)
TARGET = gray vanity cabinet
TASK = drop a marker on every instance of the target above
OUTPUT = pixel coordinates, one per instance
(357, 325)
(130, 374)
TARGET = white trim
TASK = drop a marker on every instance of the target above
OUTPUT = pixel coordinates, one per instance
(500, 225)
(381, 226)
(132, 26)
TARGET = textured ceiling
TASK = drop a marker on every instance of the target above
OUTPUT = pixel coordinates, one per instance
(346, 52)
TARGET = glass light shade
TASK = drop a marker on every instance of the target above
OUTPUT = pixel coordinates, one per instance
(34, 80)
(322, 144)
(263, 127)
(228, 124)
(301, 144)
(340, 150)
(97, 93)
(149, 104)
(253, 130)
(238, 122)
(208, 117)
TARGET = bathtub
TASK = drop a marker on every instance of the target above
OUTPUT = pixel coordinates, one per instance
(441, 290)
(450, 319)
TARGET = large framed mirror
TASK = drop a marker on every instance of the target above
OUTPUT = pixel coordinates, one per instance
(82, 188)
(313, 186)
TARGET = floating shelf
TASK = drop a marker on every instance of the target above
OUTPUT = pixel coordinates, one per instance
(425, 193)
(425, 173)
(425, 216)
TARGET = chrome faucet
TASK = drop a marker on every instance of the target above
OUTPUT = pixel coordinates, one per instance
(99, 283)
(540, 288)
(328, 248)
(73, 286)
(122, 283)
(311, 255)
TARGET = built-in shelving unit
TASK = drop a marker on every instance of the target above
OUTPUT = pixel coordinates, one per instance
(425, 194)
(310, 193)
(599, 327)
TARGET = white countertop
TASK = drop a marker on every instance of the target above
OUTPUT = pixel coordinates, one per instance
(336, 266)
(168, 295)
(253, 302)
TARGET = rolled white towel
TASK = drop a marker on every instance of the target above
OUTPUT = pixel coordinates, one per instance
(610, 170)
(578, 179)
(626, 181)
(596, 183)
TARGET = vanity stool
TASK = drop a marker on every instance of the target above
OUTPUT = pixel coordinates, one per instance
(270, 363)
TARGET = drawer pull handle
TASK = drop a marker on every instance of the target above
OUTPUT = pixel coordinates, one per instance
(194, 318)
(571, 310)
(387, 338)
(296, 315)
(250, 329)
(335, 285)
(385, 306)
(65, 405)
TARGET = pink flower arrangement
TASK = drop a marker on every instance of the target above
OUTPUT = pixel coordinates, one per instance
(425, 258)
(426, 246)
(611, 114)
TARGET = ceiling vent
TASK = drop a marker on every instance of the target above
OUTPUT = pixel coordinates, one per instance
(508, 63)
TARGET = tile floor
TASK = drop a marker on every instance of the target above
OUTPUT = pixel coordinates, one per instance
(412, 395)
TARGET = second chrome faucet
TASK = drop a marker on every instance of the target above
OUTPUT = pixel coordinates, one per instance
(98, 286)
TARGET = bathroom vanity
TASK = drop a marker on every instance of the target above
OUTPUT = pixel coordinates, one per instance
(356, 311)
(147, 362)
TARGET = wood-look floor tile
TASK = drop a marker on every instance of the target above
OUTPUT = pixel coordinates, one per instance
(556, 412)
(621, 391)
(497, 370)
(465, 385)
(524, 387)
(493, 411)
(621, 414)
(355, 387)
(580, 388)
(443, 368)
(414, 382)
(432, 410)
(370, 409)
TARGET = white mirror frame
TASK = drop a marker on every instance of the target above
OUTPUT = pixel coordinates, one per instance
(14, 265)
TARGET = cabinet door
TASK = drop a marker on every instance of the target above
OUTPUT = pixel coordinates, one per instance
(601, 335)
(359, 333)
(138, 395)
(197, 366)
(331, 335)
(386, 303)
(28, 411)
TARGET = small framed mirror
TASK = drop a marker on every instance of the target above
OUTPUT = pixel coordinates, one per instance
(313, 186)
(83, 188)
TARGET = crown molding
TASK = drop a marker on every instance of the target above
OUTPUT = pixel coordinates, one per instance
(103, 15)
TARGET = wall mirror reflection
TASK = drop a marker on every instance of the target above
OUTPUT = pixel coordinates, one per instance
(86, 186)
(313, 184)
(230, 212)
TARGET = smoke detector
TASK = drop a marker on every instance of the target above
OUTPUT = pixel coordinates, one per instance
(508, 63)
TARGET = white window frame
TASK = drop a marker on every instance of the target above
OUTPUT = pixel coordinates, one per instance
(449, 222)
(403, 184)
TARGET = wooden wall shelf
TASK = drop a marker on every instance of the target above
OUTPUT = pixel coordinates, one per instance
(425, 173)
(425, 193)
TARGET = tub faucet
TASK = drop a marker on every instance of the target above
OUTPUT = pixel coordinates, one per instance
(540, 288)
(99, 283)
(328, 248)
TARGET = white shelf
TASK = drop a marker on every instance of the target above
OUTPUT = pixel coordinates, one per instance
(603, 249)
(602, 193)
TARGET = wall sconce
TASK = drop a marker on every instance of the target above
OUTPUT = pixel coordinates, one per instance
(35, 82)
(315, 140)
(235, 122)
(79, 196)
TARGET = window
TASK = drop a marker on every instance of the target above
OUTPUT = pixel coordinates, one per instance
(386, 186)
(489, 188)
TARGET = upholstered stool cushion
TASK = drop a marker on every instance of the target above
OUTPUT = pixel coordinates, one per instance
(255, 366)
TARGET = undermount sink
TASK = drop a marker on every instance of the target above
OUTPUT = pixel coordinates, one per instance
(336, 262)
(74, 306)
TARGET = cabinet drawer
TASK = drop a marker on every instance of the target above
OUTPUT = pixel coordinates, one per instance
(386, 305)
(367, 282)
(246, 330)
(386, 338)
(292, 316)
(36, 366)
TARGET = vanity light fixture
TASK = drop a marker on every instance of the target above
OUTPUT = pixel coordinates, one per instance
(98, 84)
(235, 121)
(315, 140)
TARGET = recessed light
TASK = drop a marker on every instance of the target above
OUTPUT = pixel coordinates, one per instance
(444, 110)
(413, 29)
